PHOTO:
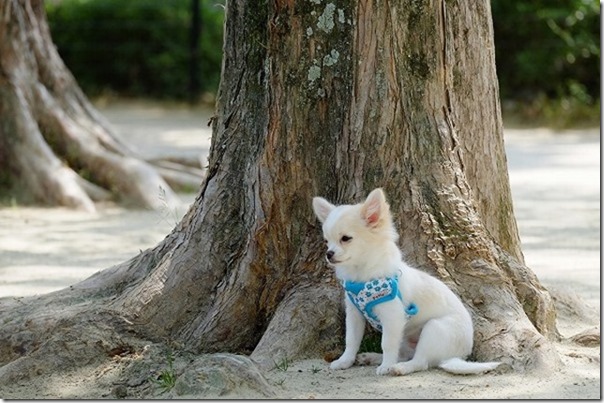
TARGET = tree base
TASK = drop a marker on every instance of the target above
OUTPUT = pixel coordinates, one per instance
(54, 146)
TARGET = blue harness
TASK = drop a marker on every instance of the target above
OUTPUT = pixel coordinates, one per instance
(366, 295)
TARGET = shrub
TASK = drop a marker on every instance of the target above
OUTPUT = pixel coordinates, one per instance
(548, 49)
(136, 47)
(544, 50)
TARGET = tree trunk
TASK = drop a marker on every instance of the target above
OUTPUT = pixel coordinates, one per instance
(53, 143)
(329, 99)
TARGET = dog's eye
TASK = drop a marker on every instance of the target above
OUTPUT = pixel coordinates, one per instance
(346, 238)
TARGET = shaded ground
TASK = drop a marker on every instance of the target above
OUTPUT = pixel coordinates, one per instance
(555, 179)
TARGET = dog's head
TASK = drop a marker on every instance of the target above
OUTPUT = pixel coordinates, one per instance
(356, 234)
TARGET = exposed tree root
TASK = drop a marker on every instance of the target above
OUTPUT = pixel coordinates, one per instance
(32, 160)
(54, 145)
(294, 330)
(179, 178)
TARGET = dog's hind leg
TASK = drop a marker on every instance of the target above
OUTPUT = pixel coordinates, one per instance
(440, 339)
(407, 348)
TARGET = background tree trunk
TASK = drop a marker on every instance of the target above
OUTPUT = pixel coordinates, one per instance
(326, 99)
(55, 148)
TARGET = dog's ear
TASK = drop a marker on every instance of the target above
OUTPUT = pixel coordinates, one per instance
(374, 208)
(322, 208)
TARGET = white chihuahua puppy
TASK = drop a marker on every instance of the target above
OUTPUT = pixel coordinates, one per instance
(423, 323)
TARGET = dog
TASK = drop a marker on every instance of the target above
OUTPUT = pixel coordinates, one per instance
(423, 323)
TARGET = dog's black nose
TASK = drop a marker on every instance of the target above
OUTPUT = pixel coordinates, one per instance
(330, 254)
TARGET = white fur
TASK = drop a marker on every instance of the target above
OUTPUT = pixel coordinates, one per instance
(361, 244)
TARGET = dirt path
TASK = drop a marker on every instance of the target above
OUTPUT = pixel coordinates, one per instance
(555, 180)
(43, 250)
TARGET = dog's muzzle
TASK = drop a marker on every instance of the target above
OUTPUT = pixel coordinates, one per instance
(330, 257)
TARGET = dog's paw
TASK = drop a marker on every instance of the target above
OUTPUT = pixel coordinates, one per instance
(369, 359)
(384, 370)
(342, 363)
(404, 368)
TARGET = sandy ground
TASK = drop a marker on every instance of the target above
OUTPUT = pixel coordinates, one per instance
(555, 179)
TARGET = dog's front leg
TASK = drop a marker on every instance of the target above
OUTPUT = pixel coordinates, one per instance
(393, 324)
(355, 327)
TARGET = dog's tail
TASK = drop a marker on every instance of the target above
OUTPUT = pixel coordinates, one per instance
(462, 367)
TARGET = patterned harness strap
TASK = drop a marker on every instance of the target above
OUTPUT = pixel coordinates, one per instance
(366, 295)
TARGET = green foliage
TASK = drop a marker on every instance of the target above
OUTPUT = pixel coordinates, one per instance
(315, 370)
(548, 50)
(167, 378)
(282, 365)
(136, 47)
(372, 342)
(558, 113)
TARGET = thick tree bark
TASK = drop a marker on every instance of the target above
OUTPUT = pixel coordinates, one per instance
(329, 99)
(52, 141)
